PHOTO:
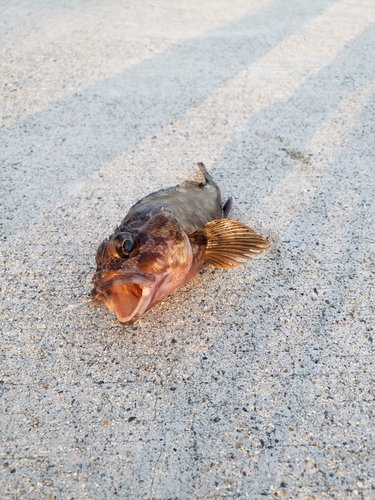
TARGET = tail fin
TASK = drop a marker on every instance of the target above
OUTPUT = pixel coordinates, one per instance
(208, 178)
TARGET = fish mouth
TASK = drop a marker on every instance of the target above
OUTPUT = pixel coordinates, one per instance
(128, 294)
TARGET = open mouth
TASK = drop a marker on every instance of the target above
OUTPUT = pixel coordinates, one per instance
(127, 295)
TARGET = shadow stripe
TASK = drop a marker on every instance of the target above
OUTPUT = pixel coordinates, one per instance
(69, 140)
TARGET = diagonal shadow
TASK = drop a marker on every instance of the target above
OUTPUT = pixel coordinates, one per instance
(291, 124)
(322, 223)
(68, 140)
(333, 268)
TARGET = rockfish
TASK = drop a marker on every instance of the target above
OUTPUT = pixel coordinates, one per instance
(166, 239)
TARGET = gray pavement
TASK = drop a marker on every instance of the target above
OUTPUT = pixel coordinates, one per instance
(252, 383)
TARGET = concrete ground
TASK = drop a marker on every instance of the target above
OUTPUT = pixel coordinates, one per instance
(252, 383)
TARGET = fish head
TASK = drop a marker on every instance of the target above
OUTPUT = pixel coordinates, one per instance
(139, 265)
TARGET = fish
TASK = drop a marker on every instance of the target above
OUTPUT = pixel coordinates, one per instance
(165, 240)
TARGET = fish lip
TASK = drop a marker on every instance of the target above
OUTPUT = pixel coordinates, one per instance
(104, 283)
(107, 281)
(142, 306)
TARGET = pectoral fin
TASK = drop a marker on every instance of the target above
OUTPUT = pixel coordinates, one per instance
(226, 241)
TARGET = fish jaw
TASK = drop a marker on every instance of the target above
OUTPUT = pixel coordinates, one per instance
(127, 294)
(129, 287)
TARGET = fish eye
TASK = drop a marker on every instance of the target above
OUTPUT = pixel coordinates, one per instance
(125, 245)
(128, 246)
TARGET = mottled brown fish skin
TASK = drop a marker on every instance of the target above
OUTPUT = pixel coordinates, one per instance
(165, 239)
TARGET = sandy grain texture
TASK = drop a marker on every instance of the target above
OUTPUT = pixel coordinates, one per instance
(253, 383)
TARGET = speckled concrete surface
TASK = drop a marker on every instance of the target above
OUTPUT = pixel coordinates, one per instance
(246, 384)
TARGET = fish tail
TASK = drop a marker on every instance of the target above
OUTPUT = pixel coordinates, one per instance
(209, 180)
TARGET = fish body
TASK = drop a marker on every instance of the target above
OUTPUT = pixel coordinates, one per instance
(166, 239)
